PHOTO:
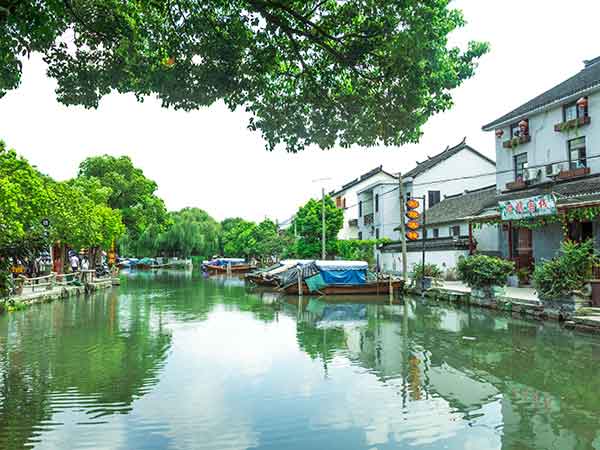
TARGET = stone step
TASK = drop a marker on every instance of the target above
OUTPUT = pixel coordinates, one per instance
(592, 321)
(589, 311)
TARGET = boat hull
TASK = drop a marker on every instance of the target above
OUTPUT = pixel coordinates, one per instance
(240, 268)
(381, 287)
(261, 281)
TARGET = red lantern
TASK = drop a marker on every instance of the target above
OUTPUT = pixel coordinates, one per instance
(582, 102)
(499, 133)
(524, 127)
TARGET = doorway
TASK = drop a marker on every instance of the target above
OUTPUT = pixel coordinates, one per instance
(522, 248)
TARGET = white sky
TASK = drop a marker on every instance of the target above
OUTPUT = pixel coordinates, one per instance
(210, 160)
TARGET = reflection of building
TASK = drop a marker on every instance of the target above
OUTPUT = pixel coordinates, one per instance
(509, 375)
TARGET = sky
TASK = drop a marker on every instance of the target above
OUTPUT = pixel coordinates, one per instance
(209, 159)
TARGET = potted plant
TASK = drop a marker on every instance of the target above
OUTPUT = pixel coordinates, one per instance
(486, 275)
(562, 283)
(431, 275)
(523, 276)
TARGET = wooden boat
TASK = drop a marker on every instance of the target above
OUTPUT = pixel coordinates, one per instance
(238, 268)
(270, 277)
(379, 287)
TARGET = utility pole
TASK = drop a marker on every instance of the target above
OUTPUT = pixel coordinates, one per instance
(403, 230)
(323, 253)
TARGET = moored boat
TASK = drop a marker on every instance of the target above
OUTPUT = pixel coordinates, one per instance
(223, 265)
(271, 276)
(337, 278)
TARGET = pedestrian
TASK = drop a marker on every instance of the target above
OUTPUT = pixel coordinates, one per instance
(85, 264)
(74, 260)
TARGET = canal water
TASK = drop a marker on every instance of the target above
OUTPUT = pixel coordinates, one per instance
(176, 361)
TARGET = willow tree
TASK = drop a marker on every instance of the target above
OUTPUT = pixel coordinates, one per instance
(324, 72)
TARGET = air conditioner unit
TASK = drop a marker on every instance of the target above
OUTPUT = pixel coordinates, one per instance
(556, 169)
(531, 174)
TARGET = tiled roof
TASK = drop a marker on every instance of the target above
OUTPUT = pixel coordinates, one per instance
(443, 156)
(568, 191)
(586, 80)
(360, 179)
(457, 207)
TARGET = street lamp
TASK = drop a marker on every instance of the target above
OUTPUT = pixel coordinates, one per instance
(323, 251)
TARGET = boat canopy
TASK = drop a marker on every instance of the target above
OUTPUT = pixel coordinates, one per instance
(225, 261)
(331, 273)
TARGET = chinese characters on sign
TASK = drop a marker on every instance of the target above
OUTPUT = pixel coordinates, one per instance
(527, 208)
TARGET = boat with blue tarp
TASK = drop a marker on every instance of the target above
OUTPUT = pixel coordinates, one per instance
(338, 278)
(271, 276)
(222, 265)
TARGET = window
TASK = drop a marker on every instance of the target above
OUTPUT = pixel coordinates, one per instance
(360, 235)
(376, 202)
(515, 130)
(571, 111)
(577, 155)
(581, 231)
(433, 198)
(344, 203)
(520, 165)
(359, 209)
(436, 233)
(376, 233)
(455, 231)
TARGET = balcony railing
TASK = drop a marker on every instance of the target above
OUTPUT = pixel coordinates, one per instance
(516, 141)
(571, 124)
(368, 219)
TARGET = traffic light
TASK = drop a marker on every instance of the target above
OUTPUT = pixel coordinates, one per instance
(413, 215)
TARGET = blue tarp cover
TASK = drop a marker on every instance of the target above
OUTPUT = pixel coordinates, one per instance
(337, 277)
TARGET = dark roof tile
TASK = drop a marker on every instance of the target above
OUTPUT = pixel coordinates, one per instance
(457, 207)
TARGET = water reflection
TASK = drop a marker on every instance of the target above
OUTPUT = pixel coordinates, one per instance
(175, 361)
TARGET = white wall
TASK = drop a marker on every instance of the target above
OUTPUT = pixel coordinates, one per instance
(548, 146)
(351, 196)
(464, 164)
(445, 259)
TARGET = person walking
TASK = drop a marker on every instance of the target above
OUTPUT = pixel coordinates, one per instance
(74, 260)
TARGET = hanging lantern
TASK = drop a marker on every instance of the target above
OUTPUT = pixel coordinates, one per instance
(582, 102)
(413, 225)
(412, 204)
(582, 105)
(412, 235)
(412, 214)
(524, 127)
(499, 133)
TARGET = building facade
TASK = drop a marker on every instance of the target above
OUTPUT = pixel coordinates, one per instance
(453, 172)
(548, 154)
(346, 198)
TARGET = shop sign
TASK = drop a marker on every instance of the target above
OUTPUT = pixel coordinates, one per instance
(528, 208)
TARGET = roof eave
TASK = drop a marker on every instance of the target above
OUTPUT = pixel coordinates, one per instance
(502, 123)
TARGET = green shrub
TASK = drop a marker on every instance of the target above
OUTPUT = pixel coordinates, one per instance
(481, 271)
(566, 273)
(431, 270)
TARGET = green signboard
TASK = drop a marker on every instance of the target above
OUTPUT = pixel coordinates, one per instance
(528, 208)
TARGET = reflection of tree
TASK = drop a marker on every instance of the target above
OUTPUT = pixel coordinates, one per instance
(109, 353)
(320, 342)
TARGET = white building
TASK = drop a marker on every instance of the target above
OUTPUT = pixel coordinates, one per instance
(454, 171)
(550, 146)
(347, 199)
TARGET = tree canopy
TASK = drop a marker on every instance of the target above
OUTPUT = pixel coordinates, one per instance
(125, 188)
(324, 72)
(308, 224)
(188, 232)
